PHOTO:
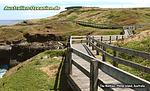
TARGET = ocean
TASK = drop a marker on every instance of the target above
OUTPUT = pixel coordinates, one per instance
(2, 72)
(9, 22)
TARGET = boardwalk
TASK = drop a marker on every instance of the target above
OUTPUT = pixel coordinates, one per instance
(83, 81)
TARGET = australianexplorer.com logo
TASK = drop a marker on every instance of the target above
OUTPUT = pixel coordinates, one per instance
(31, 8)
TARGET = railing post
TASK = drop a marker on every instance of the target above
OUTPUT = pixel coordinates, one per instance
(122, 37)
(69, 58)
(87, 40)
(97, 52)
(93, 75)
(110, 39)
(90, 41)
(101, 38)
(116, 37)
(115, 63)
(103, 54)
(69, 61)
(93, 43)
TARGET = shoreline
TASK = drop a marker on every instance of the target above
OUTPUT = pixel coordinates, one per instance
(2, 72)
(9, 22)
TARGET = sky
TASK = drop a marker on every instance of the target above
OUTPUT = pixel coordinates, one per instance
(22, 15)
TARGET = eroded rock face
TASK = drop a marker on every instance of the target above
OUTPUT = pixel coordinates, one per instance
(5, 52)
(23, 51)
(34, 44)
(42, 37)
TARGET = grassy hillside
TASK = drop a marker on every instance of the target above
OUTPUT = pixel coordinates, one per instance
(62, 24)
(40, 73)
(139, 42)
(107, 16)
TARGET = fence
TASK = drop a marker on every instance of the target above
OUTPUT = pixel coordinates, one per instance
(112, 70)
(102, 26)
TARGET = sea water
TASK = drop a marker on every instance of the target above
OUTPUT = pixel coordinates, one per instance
(9, 22)
(2, 72)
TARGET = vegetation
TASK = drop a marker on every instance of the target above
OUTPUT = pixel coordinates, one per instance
(62, 24)
(108, 16)
(141, 45)
(40, 73)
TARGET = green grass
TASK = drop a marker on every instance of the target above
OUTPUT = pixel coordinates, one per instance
(29, 77)
(140, 45)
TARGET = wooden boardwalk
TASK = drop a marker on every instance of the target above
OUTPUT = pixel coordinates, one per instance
(87, 68)
(83, 81)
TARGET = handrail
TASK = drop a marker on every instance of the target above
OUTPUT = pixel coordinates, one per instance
(123, 50)
(98, 25)
(96, 64)
(123, 61)
(113, 26)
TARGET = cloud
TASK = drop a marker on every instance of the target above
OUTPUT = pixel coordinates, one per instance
(29, 2)
(9, 15)
(133, 3)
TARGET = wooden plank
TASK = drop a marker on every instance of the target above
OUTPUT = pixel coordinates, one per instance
(81, 69)
(82, 55)
(123, 61)
(124, 77)
(78, 36)
(98, 36)
(72, 84)
(78, 39)
(88, 51)
(104, 88)
(117, 74)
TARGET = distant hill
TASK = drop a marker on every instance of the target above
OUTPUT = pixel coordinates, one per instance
(9, 22)
(62, 25)
(125, 16)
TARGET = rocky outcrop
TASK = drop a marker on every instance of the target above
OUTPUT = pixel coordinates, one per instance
(5, 53)
(42, 37)
(20, 52)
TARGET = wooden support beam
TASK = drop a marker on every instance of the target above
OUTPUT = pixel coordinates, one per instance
(114, 62)
(94, 75)
(110, 39)
(69, 61)
(97, 52)
(87, 39)
(93, 43)
(103, 54)
(116, 37)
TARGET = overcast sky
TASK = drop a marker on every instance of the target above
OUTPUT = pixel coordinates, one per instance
(19, 15)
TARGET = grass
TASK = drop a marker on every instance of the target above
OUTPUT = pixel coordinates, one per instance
(59, 24)
(107, 16)
(30, 76)
(140, 45)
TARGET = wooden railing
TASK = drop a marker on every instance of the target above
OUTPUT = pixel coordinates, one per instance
(102, 26)
(112, 70)
(112, 26)
(128, 28)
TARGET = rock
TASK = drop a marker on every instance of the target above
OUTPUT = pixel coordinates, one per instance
(45, 57)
